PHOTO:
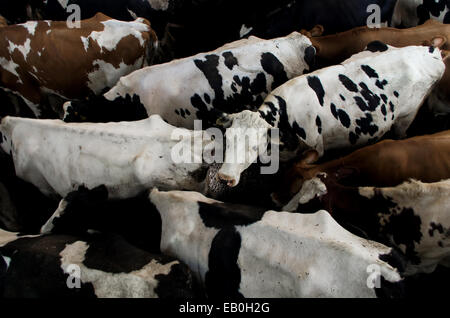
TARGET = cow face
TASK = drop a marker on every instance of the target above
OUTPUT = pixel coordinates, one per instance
(295, 177)
(311, 189)
(245, 139)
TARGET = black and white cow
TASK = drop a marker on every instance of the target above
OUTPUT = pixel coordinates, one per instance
(413, 216)
(136, 219)
(99, 265)
(127, 157)
(239, 251)
(230, 79)
(410, 13)
(343, 106)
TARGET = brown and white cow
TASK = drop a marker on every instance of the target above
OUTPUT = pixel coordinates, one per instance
(387, 163)
(42, 58)
(334, 49)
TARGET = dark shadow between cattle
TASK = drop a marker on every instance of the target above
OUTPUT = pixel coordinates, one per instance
(87, 210)
(98, 109)
(29, 207)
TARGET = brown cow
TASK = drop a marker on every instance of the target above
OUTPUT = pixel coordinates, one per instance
(43, 58)
(334, 49)
(387, 163)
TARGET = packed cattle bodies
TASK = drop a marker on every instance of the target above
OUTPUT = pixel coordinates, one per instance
(238, 251)
(340, 107)
(413, 216)
(385, 164)
(229, 79)
(336, 48)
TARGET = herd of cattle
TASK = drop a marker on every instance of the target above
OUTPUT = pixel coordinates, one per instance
(92, 203)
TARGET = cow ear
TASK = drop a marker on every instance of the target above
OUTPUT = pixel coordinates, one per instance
(317, 30)
(224, 121)
(438, 41)
(445, 54)
(309, 157)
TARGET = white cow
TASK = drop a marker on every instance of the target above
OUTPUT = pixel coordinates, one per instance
(127, 157)
(243, 251)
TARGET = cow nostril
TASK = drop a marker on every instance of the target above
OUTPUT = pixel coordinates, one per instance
(231, 182)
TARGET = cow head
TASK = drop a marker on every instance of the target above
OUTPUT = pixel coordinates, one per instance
(295, 177)
(246, 138)
(312, 189)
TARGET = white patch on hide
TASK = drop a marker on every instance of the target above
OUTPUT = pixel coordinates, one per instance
(137, 284)
(106, 75)
(24, 49)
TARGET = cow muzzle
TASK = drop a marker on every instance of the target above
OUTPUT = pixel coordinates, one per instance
(230, 173)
